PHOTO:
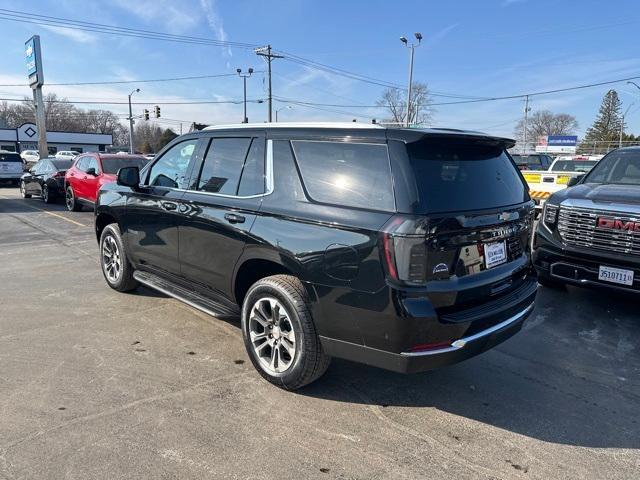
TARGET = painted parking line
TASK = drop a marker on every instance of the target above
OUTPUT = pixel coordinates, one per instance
(53, 214)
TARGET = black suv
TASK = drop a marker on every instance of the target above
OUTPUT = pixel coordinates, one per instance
(589, 234)
(400, 248)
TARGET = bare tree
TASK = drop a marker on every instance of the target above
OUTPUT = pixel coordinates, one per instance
(544, 122)
(395, 101)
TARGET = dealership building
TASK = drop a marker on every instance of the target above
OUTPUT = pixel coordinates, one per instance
(25, 137)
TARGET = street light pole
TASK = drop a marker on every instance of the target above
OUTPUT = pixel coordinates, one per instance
(244, 81)
(288, 107)
(411, 47)
(131, 122)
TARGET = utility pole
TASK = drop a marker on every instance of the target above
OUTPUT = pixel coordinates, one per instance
(411, 47)
(244, 77)
(526, 123)
(131, 122)
(266, 52)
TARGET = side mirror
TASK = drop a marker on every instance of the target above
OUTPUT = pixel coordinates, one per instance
(575, 180)
(129, 177)
(92, 172)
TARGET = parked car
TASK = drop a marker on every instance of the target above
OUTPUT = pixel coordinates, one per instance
(29, 158)
(406, 249)
(45, 179)
(11, 167)
(67, 155)
(532, 161)
(92, 170)
(589, 234)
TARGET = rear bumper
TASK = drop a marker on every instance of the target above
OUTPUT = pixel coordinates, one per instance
(11, 176)
(469, 332)
(412, 362)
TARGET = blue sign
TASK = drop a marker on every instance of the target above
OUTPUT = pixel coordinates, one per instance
(30, 54)
(562, 140)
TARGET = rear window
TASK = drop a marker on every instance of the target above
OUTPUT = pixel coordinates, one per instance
(347, 174)
(452, 177)
(112, 165)
(10, 157)
(572, 166)
(62, 164)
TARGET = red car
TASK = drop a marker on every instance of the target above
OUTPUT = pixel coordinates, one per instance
(92, 170)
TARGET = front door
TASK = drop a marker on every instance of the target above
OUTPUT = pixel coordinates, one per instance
(220, 207)
(153, 212)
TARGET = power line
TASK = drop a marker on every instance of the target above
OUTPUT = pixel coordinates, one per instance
(29, 17)
(149, 102)
(117, 82)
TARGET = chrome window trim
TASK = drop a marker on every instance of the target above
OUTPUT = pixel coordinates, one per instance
(269, 181)
(461, 343)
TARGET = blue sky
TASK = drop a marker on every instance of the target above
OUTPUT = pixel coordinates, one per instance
(474, 48)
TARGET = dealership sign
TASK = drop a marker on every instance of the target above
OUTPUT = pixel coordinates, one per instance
(34, 61)
(557, 144)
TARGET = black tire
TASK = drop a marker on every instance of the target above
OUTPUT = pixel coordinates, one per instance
(70, 200)
(309, 362)
(123, 281)
(23, 190)
(46, 194)
(547, 281)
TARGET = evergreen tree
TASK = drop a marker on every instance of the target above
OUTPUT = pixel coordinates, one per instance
(607, 125)
(166, 137)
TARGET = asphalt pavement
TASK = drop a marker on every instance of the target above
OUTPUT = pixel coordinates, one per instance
(96, 384)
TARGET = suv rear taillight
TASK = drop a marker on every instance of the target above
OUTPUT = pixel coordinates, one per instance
(404, 249)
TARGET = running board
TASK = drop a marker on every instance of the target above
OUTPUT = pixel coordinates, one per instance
(220, 309)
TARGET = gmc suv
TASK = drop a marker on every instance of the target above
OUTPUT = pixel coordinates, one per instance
(405, 249)
(589, 234)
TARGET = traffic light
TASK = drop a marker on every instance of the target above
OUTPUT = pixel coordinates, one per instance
(156, 109)
(146, 114)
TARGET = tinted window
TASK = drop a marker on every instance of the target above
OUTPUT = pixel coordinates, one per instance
(10, 157)
(349, 174)
(621, 167)
(170, 169)
(112, 165)
(61, 164)
(223, 165)
(253, 177)
(572, 166)
(455, 176)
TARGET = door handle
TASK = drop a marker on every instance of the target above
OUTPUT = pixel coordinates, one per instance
(169, 205)
(233, 218)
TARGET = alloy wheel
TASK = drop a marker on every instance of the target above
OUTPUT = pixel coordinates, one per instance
(23, 189)
(45, 194)
(111, 261)
(68, 198)
(271, 334)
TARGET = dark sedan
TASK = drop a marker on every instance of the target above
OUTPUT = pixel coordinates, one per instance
(45, 179)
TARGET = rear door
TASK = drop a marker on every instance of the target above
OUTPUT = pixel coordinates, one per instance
(74, 176)
(220, 207)
(153, 212)
(30, 179)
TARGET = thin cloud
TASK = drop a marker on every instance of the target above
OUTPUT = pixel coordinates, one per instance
(215, 21)
(75, 35)
(175, 18)
(508, 3)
